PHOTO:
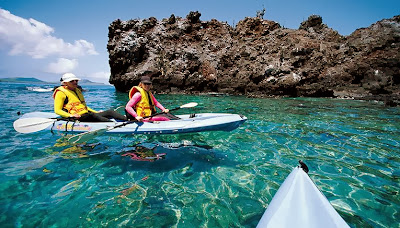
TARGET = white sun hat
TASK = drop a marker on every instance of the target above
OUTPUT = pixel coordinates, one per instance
(67, 77)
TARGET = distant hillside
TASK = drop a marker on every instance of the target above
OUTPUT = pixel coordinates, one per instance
(20, 80)
(86, 82)
(35, 80)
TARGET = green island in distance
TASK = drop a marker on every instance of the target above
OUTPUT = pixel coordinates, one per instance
(35, 80)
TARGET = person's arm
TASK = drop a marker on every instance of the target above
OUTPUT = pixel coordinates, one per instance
(59, 104)
(159, 105)
(132, 103)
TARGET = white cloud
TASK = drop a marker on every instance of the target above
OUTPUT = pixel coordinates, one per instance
(62, 66)
(33, 38)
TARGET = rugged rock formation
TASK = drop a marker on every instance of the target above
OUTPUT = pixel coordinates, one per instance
(256, 58)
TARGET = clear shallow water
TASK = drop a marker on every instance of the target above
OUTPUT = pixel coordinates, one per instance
(210, 179)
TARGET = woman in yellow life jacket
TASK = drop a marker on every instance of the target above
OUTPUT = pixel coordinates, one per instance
(69, 102)
(142, 103)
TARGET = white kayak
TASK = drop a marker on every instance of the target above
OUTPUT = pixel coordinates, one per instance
(299, 203)
(186, 124)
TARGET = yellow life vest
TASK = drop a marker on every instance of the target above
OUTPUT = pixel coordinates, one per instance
(145, 107)
(76, 102)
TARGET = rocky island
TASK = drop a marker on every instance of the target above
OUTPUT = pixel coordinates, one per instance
(257, 58)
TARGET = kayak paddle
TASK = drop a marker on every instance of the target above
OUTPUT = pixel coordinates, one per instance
(34, 124)
(188, 105)
(86, 136)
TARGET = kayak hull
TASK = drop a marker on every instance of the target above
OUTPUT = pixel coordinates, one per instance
(299, 203)
(186, 124)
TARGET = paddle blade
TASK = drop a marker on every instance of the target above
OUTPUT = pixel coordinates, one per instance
(29, 125)
(189, 105)
(86, 136)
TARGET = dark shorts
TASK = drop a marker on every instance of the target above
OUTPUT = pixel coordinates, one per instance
(104, 116)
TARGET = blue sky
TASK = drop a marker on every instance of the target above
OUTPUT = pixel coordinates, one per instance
(45, 38)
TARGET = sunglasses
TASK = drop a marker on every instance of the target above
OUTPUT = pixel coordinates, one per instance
(146, 83)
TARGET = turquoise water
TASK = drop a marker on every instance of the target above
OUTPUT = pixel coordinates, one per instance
(210, 179)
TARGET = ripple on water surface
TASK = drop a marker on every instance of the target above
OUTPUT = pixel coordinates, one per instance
(211, 179)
